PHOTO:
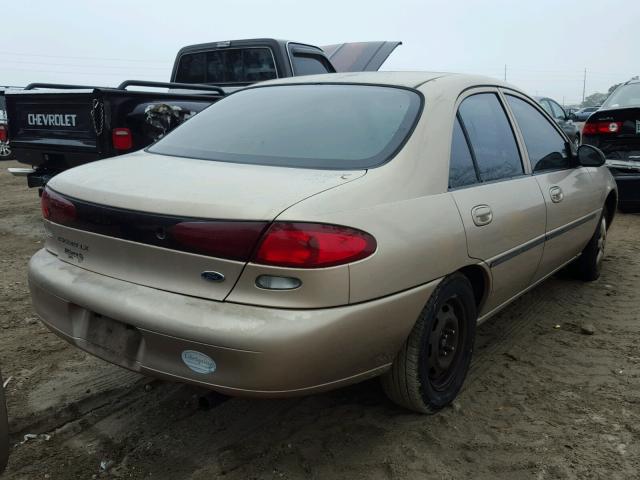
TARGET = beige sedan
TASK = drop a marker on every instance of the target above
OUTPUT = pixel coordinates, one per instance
(305, 234)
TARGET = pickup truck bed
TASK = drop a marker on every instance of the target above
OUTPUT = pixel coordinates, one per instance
(54, 130)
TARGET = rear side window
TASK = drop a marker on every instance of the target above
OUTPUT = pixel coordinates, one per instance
(327, 126)
(232, 65)
(624, 96)
(308, 65)
(546, 147)
(461, 169)
(492, 140)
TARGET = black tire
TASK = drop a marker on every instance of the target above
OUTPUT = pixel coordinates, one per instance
(589, 263)
(422, 377)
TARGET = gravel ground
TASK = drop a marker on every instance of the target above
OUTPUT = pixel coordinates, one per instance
(543, 399)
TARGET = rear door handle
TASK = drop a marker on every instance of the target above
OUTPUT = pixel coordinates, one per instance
(482, 215)
(556, 194)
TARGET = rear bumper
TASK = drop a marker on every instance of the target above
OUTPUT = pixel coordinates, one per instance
(257, 351)
(52, 158)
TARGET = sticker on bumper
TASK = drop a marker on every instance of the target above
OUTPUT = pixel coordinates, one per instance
(198, 362)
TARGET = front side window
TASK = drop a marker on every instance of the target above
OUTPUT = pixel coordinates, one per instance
(558, 112)
(492, 140)
(461, 169)
(232, 65)
(326, 126)
(546, 147)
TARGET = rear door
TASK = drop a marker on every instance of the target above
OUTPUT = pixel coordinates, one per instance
(501, 206)
(571, 196)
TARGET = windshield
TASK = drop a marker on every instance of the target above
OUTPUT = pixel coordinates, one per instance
(232, 65)
(309, 126)
(624, 96)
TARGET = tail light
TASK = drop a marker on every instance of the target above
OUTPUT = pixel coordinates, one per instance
(313, 245)
(282, 244)
(231, 240)
(56, 208)
(3, 133)
(122, 139)
(595, 128)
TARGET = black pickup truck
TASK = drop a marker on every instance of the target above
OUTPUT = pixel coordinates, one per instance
(55, 127)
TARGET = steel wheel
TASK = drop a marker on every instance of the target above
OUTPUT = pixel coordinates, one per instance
(445, 343)
(602, 240)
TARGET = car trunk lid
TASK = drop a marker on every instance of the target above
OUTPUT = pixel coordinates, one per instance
(139, 217)
(616, 132)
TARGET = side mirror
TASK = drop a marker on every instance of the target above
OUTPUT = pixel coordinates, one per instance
(590, 156)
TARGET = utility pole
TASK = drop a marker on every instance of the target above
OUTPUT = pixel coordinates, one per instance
(584, 84)
(505, 72)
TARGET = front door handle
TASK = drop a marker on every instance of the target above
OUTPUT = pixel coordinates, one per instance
(556, 194)
(482, 215)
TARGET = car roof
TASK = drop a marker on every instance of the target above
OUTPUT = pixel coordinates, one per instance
(397, 79)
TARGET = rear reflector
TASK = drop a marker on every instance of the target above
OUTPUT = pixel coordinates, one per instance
(56, 208)
(595, 128)
(122, 139)
(230, 240)
(3, 133)
(313, 245)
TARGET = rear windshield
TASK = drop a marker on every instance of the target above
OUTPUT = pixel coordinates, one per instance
(232, 65)
(309, 126)
(624, 96)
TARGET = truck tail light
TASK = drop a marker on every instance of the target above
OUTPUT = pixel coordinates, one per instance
(122, 139)
(313, 245)
(56, 208)
(596, 128)
(3, 133)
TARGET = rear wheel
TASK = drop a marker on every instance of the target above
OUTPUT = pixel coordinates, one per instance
(589, 264)
(429, 371)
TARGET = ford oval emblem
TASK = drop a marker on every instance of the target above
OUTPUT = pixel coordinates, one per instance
(211, 276)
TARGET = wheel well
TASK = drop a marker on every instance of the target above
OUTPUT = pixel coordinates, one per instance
(479, 282)
(611, 203)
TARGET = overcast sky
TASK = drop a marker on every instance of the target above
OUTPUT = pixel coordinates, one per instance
(546, 44)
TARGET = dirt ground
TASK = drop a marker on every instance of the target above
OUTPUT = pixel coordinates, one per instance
(542, 400)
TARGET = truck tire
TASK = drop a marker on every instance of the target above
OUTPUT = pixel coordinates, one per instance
(429, 370)
(588, 264)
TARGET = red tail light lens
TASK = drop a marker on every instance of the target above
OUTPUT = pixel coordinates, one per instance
(231, 240)
(3, 133)
(595, 128)
(313, 245)
(56, 208)
(122, 139)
